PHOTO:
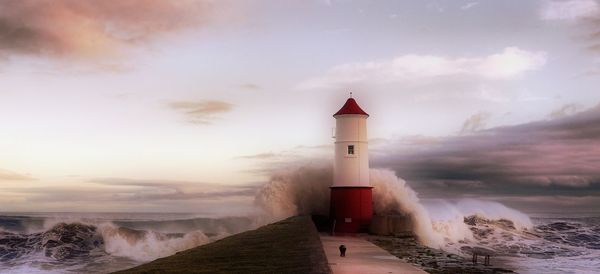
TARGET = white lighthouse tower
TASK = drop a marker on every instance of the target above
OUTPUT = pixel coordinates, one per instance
(351, 194)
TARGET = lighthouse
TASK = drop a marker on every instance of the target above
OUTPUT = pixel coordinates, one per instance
(351, 193)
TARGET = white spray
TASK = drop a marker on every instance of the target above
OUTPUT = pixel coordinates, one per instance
(146, 245)
(293, 191)
(392, 195)
(305, 190)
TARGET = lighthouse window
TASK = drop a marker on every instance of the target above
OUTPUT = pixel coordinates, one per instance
(351, 150)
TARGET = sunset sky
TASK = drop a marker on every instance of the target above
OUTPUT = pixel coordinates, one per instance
(179, 106)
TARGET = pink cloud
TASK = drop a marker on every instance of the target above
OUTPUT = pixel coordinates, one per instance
(91, 28)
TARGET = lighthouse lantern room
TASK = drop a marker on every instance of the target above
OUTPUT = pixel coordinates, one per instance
(351, 193)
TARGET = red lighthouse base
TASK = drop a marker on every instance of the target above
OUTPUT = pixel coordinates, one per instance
(351, 209)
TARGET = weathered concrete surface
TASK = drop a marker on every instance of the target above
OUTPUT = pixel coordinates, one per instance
(288, 246)
(363, 257)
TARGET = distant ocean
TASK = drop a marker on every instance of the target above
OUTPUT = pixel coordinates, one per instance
(102, 242)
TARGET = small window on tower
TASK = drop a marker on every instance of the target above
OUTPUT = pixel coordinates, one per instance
(351, 150)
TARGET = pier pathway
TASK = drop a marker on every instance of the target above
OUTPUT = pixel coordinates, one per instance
(362, 257)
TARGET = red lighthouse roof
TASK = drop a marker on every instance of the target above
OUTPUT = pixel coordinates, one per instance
(350, 107)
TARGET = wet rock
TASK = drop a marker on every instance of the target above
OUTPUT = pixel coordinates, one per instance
(433, 260)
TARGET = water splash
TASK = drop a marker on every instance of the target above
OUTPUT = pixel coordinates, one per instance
(305, 190)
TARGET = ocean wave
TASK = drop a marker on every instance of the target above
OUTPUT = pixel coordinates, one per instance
(549, 239)
(144, 245)
(63, 241)
(96, 245)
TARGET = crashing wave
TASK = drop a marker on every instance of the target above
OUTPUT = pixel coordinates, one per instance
(304, 190)
(475, 220)
(147, 245)
(65, 241)
(97, 243)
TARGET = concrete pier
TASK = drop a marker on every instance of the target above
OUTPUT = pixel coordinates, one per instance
(362, 256)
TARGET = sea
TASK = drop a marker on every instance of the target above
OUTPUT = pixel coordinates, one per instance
(105, 242)
(557, 243)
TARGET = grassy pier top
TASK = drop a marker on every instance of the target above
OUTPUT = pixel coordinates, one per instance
(288, 246)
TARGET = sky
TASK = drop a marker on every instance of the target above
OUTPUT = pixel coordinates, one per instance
(179, 106)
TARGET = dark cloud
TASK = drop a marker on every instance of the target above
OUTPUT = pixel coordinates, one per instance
(91, 28)
(559, 157)
(201, 112)
(7, 175)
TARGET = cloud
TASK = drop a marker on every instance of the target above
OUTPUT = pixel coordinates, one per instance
(148, 190)
(174, 190)
(7, 175)
(509, 63)
(584, 15)
(570, 10)
(260, 156)
(127, 190)
(202, 112)
(91, 29)
(269, 162)
(592, 27)
(116, 194)
(550, 157)
(475, 123)
(250, 86)
(565, 110)
(469, 5)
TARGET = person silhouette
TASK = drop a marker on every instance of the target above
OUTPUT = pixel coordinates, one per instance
(342, 251)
